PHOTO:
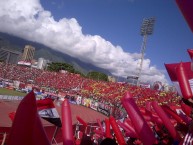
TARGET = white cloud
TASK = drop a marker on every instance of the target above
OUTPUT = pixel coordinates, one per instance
(29, 20)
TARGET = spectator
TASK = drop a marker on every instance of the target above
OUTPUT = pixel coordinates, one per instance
(108, 141)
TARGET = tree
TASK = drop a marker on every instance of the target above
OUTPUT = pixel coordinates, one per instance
(57, 66)
(97, 76)
(78, 72)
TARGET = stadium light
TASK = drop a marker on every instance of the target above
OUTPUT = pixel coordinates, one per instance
(146, 29)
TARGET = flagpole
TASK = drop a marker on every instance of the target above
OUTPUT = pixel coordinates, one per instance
(77, 129)
(4, 138)
(54, 135)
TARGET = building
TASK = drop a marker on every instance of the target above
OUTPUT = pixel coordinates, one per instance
(9, 56)
(40, 64)
(132, 80)
(170, 88)
(111, 79)
(28, 53)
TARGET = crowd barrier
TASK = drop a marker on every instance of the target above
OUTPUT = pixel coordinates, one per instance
(102, 107)
(6, 97)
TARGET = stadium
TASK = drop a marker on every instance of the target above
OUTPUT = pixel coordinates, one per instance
(104, 102)
(45, 107)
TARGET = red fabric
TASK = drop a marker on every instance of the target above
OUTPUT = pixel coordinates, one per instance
(172, 113)
(182, 73)
(81, 121)
(186, 7)
(107, 129)
(47, 111)
(190, 52)
(45, 104)
(166, 120)
(186, 109)
(129, 132)
(117, 131)
(171, 69)
(12, 115)
(67, 124)
(27, 128)
(100, 125)
(183, 81)
(141, 127)
(129, 125)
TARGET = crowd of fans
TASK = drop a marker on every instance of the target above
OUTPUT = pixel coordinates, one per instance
(69, 83)
(110, 92)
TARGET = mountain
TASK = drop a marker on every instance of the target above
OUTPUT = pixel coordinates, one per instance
(15, 43)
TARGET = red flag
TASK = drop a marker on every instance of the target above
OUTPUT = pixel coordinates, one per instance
(183, 81)
(171, 69)
(186, 8)
(27, 128)
(47, 111)
(190, 52)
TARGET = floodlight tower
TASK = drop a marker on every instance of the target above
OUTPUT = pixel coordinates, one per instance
(146, 29)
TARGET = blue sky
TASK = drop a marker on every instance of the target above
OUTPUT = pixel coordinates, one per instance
(111, 25)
